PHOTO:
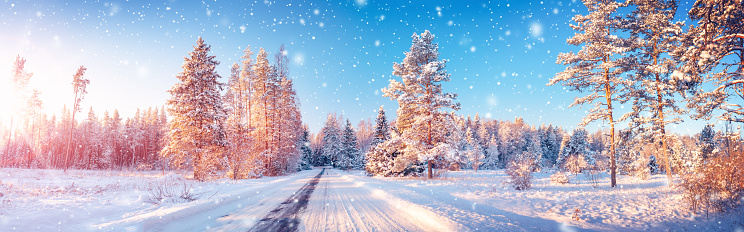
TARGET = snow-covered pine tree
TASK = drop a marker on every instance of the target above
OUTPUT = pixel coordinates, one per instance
(547, 139)
(712, 52)
(706, 141)
(597, 67)
(684, 159)
(382, 130)
(654, 36)
(512, 143)
(575, 153)
(109, 131)
(365, 134)
(457, 138)
(196, 135)
(305, 150)
(491, 159)
(287, 116)
(350, 157)
(133, 134)
(533, 149)
(473, 150)
(93, 141)
(34, 107)
(482, 133)
(242, 162)
(291, 129)
(331, 141)
(422, 73)
(259, 107)
(625, 151)
(247, 78)
(380, 160)
(476, 127)
(376, 160)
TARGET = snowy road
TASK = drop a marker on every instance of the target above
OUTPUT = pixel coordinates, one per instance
(325, 199)
(331, 201)
(285, 216)
(342, 203)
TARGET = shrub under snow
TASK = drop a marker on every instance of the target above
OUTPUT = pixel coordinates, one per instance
(717, 186)
(520, 173)
(559, 178)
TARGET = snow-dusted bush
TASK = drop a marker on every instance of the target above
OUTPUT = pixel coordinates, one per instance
(559, 178)
(593, 175)
(520, 173)
(171, 188)
(171, 193)
(718, 186)
(575, 164)
(639, 168)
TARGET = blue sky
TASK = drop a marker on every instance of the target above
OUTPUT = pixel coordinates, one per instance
(501, 53)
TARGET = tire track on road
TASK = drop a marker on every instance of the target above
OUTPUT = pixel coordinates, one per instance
(284, 217)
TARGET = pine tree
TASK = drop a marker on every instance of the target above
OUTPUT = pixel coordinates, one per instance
(422, 72)
(575, 148)
(331, 141)
(473, 150)
(196, 135)
(706, 141)
(243, 163)
(93, 141)
(491, 159)
(597, 67)
(625, 152)
(287, 115)
(481, 133)
(382, 130)
(264, 111)
(550, 146)
(350, 156)
(34, 107)
(653, 37)
(306, 151)
(79, 83)
(712, 52)
(533, 150)
(377, 161)
(365, 134)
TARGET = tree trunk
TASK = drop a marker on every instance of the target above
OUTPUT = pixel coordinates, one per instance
(661, 122)
(72, 127)
(429, 164)
(608, 97)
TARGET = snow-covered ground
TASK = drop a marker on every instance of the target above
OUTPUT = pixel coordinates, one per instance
(50, 200)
